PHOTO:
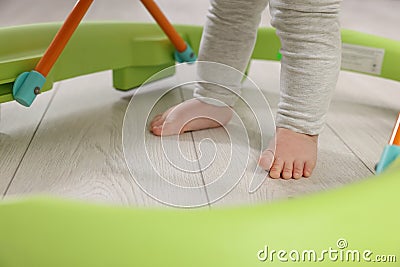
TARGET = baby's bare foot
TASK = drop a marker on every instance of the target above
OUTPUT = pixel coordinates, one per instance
(190, 115)
(295, 155)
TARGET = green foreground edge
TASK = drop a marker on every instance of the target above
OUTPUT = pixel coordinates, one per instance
(43, 231)
(51, 232)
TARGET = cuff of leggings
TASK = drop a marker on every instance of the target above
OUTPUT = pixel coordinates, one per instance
(214, 98)
(312, 127)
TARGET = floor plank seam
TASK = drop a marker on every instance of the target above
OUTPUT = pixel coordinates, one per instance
(197, 157)
(30, 141)
(348, 147)
(201, 172)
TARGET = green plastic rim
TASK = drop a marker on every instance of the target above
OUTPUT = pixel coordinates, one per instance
(119, 46)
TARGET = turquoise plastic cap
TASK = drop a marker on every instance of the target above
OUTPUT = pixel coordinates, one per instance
(186, 56)
(390, 153)
(27, 86)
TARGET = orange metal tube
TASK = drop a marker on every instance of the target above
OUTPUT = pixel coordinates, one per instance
(395, 138)
(165, 25)
(62, 37)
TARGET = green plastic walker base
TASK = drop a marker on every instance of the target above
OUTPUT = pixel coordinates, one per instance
(134, 51)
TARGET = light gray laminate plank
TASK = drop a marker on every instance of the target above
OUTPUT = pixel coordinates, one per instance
(77, 151)
(127, 10)
(337, 165)
(228, 155)
(370, 16)
(363, 113)
(27, 12)
(18, 126)
(173, 158)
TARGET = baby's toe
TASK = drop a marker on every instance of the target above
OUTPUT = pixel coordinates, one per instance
(308, 168)
(156, 124)
(157, 120)
(276, 169)
(156, 130)
(287, 172)
(167, 128)
(298, 168)
(266, 159)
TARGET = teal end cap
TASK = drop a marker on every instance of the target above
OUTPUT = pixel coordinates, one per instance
(27, 86)
(389, 154)
(186, 56)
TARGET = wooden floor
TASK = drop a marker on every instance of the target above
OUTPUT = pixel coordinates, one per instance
(69, 143)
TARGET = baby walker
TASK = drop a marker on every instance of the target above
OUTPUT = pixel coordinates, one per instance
(49, 232)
